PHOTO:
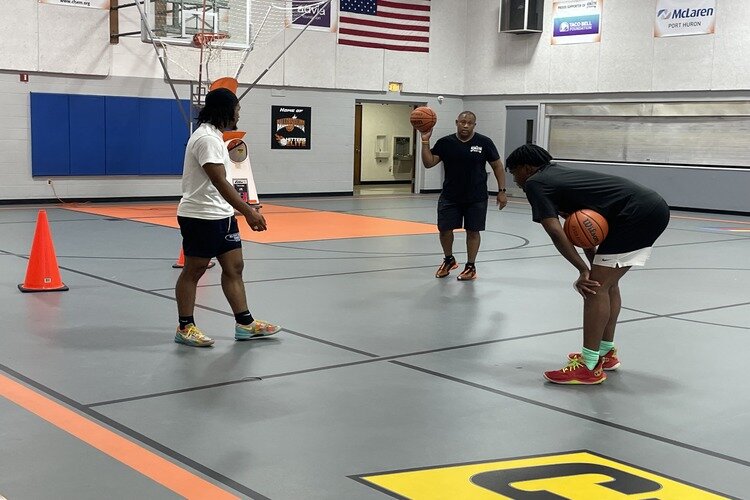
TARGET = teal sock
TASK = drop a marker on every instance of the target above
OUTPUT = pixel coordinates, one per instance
(590, 358)
(605, 347)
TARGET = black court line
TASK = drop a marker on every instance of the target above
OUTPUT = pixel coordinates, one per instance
(710, 323)
(382, 255)
(693, 311)
(373, 359)
(676, 316)
(367, 271)
(357, 253)
(345, 347)
(582, 416)
(197, 305)
(137, 436)
(394, 360)
(231, 483)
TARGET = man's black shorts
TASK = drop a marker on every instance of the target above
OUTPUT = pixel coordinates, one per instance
(471, 216)
(639, 231)
(209, 238)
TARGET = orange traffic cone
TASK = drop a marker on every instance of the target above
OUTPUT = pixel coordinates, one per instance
(42, 275)
(181, 261)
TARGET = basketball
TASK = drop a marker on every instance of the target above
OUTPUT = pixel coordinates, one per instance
(423, 118)
(586, 228)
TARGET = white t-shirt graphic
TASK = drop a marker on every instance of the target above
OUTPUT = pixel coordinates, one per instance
(200, 198)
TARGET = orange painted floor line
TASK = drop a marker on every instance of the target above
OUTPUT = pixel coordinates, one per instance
(710, 219)
(285, 224)
(134, 456)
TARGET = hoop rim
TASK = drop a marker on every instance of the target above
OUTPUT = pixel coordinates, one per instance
(204, 38)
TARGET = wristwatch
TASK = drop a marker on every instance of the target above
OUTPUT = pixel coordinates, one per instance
(501, 190)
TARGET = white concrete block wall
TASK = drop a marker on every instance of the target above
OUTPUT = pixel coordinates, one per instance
(470, 63)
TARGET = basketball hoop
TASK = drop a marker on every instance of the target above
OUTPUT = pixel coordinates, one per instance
(209, 39)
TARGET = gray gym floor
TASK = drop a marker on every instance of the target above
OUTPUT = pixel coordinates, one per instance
(380, 367)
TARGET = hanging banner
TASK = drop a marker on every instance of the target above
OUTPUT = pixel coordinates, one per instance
(576, 21)
(290, 127)
(91, 4)
(684, 17)
(302, 12)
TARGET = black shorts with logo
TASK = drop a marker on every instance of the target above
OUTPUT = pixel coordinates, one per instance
(209, 238)
(471, 216)
(640, 230)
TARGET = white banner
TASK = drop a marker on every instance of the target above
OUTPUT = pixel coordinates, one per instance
(301, 12)
(684, 17)
(91, 4)
(576, 21)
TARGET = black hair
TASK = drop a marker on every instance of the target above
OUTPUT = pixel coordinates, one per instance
(468, 113)
(219, 108)
(528, 154)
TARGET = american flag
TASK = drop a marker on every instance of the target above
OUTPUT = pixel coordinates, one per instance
(385, 24)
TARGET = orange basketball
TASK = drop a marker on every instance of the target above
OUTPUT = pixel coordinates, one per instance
(586, 228)
(423, 118)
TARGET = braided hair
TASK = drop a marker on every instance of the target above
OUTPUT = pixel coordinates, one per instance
(528, 154)
(219, 108)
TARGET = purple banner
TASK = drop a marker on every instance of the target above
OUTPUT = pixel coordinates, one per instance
(302, 13)
(579, 25)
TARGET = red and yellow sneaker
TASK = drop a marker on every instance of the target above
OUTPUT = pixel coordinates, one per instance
(611, 361)
(448, 265)
(576, 372)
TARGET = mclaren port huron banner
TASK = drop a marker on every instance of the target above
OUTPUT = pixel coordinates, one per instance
(577, 21)
(684, 17)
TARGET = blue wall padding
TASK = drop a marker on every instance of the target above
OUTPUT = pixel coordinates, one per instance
(122, 125)
(86, 135)
(180, 136)
(155, 152)
(50, 134)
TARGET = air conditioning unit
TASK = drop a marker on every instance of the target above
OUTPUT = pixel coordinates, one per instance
(521, 16)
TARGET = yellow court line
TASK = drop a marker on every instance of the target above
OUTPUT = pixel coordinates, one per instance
(149, 464)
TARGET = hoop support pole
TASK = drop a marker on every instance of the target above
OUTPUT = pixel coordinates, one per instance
(163, 64)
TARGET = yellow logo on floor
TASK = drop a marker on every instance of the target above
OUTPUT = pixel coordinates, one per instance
(575, 476)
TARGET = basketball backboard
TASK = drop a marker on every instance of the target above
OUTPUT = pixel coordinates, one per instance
(175, 22)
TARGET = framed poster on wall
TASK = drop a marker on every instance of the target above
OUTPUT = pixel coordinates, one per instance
(576, 21)
(290, 127)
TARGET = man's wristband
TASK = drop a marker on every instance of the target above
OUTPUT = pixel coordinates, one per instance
(501, 190)
(425, 142)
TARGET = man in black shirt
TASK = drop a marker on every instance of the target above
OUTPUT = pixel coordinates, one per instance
(636, 216)
(463, 201)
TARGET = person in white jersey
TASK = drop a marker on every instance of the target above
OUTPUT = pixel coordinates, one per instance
(208, 225)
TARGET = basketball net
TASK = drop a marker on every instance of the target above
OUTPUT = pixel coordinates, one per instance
(216, 54)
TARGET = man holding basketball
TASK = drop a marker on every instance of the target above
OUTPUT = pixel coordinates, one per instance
(636, 215)
(463, 200)
(208, 226)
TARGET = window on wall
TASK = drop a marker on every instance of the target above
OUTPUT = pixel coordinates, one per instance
(700, 133)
